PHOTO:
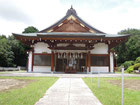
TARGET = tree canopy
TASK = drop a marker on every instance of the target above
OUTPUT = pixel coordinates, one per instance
(6, 54)
(131, 49)
(19, 51)
(30, 29)
(12, 51)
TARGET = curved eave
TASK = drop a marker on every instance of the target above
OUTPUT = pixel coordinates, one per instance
(72, 34)
(25, 35)
(116, 36)
(69, 35)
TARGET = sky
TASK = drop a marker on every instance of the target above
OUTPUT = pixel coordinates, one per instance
(109, 16)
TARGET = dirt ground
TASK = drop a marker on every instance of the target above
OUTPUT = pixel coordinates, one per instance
(129, 84)
(7, 84)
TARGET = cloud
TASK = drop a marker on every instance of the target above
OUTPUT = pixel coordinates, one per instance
(119, 15)
(110, 16)
(11, 12)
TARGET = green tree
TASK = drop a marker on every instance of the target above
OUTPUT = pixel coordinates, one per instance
(19, 49)
(131, 49)
(12, 51)
(30, 29)
(6, 54)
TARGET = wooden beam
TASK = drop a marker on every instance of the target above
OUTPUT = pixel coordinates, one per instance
(119, 39)
(99, 54)
(42, 53)
(89, 60)
(71, 48)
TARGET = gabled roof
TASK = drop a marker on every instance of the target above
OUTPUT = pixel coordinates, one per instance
(71, 21)
(71, 13)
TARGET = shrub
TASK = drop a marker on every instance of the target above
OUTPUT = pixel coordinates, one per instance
(130, 69)
(119, 64)
(118, 68)
(139, 68)
(136, 66)
(137, 60)
(126, 64)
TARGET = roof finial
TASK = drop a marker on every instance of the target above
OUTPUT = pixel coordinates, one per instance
(71, 7)
(71, 11)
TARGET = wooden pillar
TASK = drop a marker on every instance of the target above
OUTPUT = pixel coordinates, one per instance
(52, 61)
(113, 62)
(27, 62)
(55, 61)
(32, 60)
(86, 61)
(63, 62)
(89, 60)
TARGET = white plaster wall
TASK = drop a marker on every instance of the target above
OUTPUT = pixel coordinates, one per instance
(41, 68)
(62, 44)
(100, 48)
(41, 47)
(99, 69)
(30, 62)
(111, 62)
(71, 51)
(79, 45)
(66, 44)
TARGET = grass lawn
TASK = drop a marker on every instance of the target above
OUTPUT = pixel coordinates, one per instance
(124, 72)
(110, 94)
(27, 95)
(6, 72)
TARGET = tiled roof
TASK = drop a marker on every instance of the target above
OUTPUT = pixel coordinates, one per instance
(67, 34)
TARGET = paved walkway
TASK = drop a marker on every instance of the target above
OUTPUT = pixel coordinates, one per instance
(69, 91)
(63, 75)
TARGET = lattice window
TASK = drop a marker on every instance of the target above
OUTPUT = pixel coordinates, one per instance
(42, 60)
(99, 61)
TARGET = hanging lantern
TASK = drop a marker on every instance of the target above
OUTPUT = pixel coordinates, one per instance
(58, 55)
(64, 55)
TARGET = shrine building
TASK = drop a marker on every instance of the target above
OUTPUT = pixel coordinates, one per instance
(71, 45)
